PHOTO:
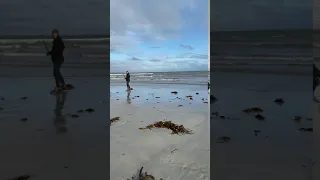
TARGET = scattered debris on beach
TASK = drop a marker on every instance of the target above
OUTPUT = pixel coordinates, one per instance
(23, 98)
(143, 176)
(309, 119)
(260, 117)
(197, 93)
(223, 139)
(180, 105)
(80, 111)
(253, 110)
(256, 132)
(22, 177)
(279, 101)
(157, 97)
(174, 92)
(176, 129)
(90, 110)
(297, 118)
(24, 119)
(74, 115)
(112, 120)
(306, 129)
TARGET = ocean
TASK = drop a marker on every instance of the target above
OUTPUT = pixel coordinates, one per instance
(190, 78)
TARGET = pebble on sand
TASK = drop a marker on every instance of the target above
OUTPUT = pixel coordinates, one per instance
(223, 139)
(23, 98)
(306, 129)
(279, 101)
(253, 110)
(90, 110)
(22, 177)
(297, 118)
(24, 119)
(174, 92)
(260, 117)
(73, 115)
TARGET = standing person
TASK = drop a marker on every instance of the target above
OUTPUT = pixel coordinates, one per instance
(127, 78)
(57, 58)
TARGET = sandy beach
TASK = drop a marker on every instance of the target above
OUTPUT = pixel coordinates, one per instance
(160, 153)
(261, 149)
(277, 146)
(45, 136)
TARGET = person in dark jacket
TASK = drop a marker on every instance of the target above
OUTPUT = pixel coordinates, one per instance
(57, 58)
(127, 78)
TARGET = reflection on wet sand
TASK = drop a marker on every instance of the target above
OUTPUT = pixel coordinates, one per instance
(128, 97)
(59, 118)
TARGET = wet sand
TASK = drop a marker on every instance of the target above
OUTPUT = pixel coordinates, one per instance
(279, 150)
(161, 154)
(50, 144)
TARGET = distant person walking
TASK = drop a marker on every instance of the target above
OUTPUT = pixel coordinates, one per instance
(127, 78)
(57, 58)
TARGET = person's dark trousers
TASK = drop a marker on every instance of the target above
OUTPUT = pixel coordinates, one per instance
(128, 86)
(57, 74)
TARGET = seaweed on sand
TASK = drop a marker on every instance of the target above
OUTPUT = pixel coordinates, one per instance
(175, 128)
(143, 176)
(112, 120)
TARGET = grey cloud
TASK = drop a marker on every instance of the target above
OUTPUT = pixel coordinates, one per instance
(135, 59)
(192, 55)
(186, 46)
(260, 14)
(155, 60)
(82, 17)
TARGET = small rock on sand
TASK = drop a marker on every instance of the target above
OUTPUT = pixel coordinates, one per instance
(24, 119)
(90, 110)
(22, 177)
(279, 101)
(260, 117)
(24, 98)
(306, 129)
(174, 92)
(223, 139)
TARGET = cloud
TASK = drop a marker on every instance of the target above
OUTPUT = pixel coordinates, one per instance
(151, 30)
(193, 56)
(155, 60)
(135, 59)
(152, 20)
(81, 17)
(186, 46)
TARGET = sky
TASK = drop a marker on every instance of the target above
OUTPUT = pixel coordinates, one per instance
(260, 14)
(39, 17)
(158, 36)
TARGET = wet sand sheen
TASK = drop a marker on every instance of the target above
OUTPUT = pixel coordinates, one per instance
(159, 152)
(50, 143)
